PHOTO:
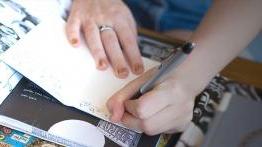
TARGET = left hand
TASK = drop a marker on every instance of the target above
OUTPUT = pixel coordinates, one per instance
(167, 108)
(117, 45)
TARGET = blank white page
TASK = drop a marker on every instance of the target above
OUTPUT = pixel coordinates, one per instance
(69, 74)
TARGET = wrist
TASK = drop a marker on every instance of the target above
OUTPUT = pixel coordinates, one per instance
(186, 87)
(192, 78)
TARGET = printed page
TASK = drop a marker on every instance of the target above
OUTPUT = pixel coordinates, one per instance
(69, 74)
(15, 23)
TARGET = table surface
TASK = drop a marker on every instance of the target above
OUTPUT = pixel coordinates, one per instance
(240, 69)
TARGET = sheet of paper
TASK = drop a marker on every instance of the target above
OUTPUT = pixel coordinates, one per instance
(67, 73)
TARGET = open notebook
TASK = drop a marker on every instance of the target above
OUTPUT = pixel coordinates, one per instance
(69, 74)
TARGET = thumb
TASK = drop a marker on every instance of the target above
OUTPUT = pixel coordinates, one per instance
(115, 103)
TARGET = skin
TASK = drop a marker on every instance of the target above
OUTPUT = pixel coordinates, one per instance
(227, 28)
(87, 15)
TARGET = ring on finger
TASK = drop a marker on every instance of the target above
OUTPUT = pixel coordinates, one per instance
(105, 28)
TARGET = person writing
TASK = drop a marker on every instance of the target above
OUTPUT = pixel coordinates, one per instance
(110, 33)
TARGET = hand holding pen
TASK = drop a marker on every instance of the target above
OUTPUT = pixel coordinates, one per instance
(155, 102)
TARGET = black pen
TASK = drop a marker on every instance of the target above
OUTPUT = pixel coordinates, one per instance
(168, 64)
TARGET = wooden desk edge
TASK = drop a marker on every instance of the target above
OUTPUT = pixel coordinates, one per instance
(241, 70)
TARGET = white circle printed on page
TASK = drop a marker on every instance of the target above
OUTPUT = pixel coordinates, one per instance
(79, 131)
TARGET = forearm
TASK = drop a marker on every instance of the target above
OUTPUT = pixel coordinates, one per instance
(226, 29)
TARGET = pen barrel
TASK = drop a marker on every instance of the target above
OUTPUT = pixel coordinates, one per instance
(167, 65)
(136, 95)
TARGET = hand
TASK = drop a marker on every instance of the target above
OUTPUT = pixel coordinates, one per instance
(167, 108)
(110, 46)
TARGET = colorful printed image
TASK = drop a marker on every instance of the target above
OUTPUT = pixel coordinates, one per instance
(13, 138)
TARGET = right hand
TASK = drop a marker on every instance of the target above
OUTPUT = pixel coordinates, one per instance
(167, 108)
(117, 47)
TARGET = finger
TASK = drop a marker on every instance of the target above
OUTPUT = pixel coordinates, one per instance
(131, 122)
(167, 119)
(132, 24)
(148, 104)
(93, 40)
(162, 122)
(115, 103)
(128, 40)
(131, 20)
(73, 28)
(113, 51)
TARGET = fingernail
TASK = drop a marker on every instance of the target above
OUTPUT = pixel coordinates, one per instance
(122, 72)
(138, 69)
(74, 41)
(102, 64)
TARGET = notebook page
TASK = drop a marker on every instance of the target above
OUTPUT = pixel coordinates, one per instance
(69, 74)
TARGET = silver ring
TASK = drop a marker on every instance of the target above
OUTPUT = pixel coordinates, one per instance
(105, 28)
